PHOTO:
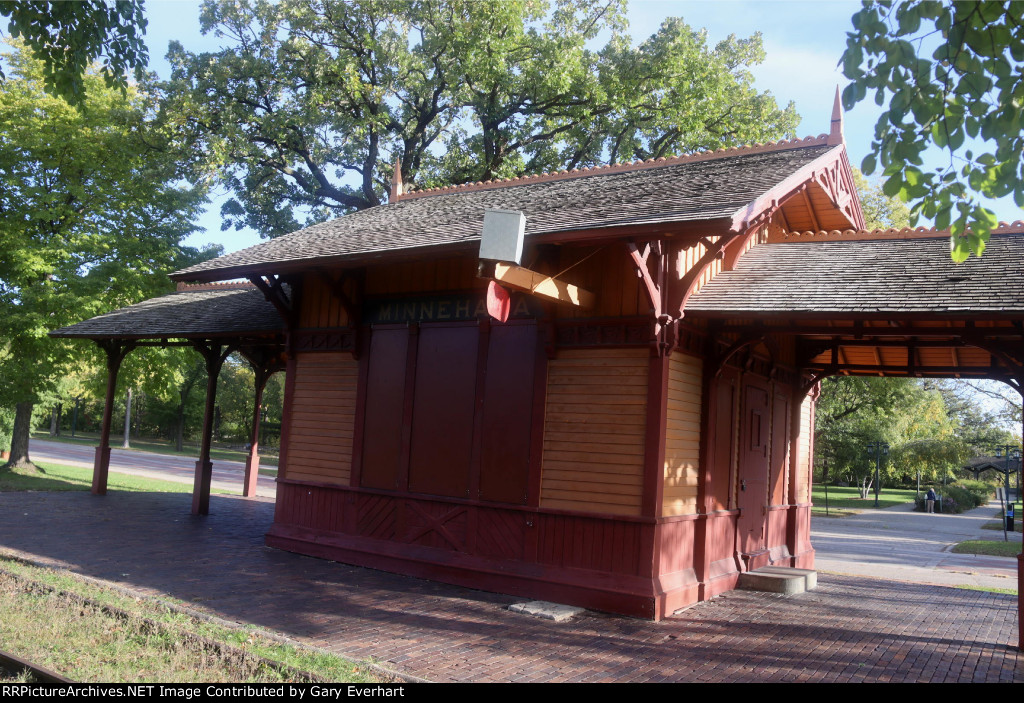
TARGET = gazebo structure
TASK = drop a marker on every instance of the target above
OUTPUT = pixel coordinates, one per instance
(639, 431)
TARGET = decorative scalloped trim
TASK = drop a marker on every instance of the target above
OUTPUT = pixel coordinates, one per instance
(851, 235)
(781, 145)
(228, 285)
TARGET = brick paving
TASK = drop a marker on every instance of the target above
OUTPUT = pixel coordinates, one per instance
(850, 629)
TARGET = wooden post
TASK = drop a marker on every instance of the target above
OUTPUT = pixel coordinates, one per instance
(204, 467)
(252, 462)
(116, 353)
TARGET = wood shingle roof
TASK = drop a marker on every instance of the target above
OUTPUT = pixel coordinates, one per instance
(695, 188)
(868, 276)
(205, 312)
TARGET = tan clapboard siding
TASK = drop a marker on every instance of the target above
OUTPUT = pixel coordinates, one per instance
(594, 430)
(804, 458)
(322, 422)
(682, 435)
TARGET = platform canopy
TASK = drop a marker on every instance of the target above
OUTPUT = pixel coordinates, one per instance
(217, 320)
(886, 303)
(226, 311)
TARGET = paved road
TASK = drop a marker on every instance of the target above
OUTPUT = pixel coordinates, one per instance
(227, 475)
(899, 544)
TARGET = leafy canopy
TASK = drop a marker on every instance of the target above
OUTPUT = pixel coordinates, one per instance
(306, 109)
(907, 414)
(93, 214)
(943, 72)
(68, 37)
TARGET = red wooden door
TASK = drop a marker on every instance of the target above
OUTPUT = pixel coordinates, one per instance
(753, 466)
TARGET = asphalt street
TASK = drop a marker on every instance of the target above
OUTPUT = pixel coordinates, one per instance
(902, 545)
(227, 475)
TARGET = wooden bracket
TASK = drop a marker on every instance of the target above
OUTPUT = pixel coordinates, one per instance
(654, 283)
(273, 291)
(542, 285)
(680, 292)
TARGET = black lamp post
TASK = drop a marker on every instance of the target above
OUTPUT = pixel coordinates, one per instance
(878, 450)
(1011, 454)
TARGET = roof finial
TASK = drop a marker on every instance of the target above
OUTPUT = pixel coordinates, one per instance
(835, 133)
(396, 182)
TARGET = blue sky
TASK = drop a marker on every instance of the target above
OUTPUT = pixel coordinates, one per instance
(803, 40)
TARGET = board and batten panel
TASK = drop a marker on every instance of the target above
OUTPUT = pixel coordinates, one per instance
(594, 429)
(682, 435)
(322, 419)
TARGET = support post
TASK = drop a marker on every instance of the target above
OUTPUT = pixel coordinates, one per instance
(116, 353)
(214, 357)
(252, 462)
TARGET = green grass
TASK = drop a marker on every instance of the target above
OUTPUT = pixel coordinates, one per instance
(58, 477)
(999, 525)
(87, 631)
(989, 589)
(849, 497)
(993, 549)
(156, 446)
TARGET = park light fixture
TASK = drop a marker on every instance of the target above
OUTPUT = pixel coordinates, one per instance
(878, 449)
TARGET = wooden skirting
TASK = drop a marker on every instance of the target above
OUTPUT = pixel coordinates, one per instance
(587, 560)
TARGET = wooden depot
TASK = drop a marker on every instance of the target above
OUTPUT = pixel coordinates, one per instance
(617, 443)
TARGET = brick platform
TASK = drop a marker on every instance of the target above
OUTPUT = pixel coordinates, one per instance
(850, 629)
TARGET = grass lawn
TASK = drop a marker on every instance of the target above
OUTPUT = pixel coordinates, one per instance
(849, 497)
(993, 549)
(91, 633)
(989, 589)
(162, 447)
(73, 478)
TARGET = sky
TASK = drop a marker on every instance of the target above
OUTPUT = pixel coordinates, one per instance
(803, 40)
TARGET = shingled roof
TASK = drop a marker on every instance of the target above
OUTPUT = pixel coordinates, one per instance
(204, 312)
(861, 275)
(700, 187)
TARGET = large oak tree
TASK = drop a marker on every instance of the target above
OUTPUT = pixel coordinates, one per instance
(92, 215)
(310, 103)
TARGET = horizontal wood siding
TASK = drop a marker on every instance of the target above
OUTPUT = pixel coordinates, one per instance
(322, 418)
(594, 431)
(682, 435)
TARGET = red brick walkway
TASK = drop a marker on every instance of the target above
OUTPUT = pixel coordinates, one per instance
(850, 629)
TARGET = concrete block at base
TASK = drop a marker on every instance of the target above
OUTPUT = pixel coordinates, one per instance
(545, 610)
(761, 580)
(810, 576)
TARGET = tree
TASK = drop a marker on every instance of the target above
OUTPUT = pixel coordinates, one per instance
(68, 37)
(305, 112)
(880, 211)
(944, 72)
(92, 217)
(909, 415)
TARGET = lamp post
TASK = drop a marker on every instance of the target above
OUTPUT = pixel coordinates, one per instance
(1011, 454)
(878, 449)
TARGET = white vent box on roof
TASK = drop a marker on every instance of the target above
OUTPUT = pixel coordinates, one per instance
(502, 238)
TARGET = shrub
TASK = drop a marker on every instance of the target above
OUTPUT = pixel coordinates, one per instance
(965, 495)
